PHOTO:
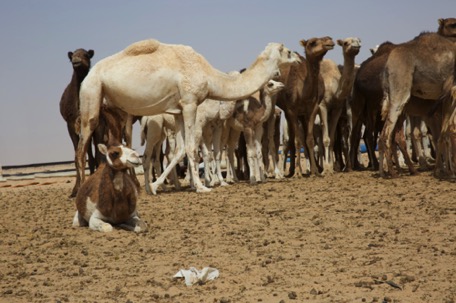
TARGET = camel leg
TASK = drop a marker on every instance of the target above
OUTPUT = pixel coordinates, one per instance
(251, 154)
(402, 145)
(272, 148)
(299, 145)
(310, 141)
(89, 107)
(128, 131)
(417, 141)
(225, 138)
(260, 169)
(386, 137)
(171, 150)
(203, 139)
(326, 140)
(189, 116)
(147, 167)
(216, 141)
(134, 224)
(207, 160)
(204, 143)
(75, 140)
(335, 116)
(157, 162)
(179, 154)
(355, 138)
(232, 142)
(291, 147)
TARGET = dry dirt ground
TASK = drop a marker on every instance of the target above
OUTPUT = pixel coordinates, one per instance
(349, 237)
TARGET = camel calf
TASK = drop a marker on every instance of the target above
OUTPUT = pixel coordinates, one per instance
(109, 195)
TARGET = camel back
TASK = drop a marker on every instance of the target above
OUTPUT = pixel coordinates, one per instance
(142, 47)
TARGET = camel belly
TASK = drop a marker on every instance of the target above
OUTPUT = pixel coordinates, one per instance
(431, 91)
(143, 94)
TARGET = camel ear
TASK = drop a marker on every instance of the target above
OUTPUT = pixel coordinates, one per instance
(91, 53)
(303, 43)
(103, 149)
(441, 20)
(281, 47)
(70, 55)
(340, 42)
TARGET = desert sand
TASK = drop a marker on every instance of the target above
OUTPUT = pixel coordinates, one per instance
(347, 237)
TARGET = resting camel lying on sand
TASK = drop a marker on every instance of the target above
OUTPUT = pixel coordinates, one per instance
(109, 196)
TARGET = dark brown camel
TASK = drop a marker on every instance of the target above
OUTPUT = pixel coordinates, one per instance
(366, 103)
(69, 103)
(304, 89)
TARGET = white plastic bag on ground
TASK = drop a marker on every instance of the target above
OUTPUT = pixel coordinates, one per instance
(193, 275)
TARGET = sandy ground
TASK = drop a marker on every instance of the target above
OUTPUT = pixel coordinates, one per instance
(348, 237)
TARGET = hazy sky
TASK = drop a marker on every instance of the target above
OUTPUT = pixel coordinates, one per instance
(37, 35)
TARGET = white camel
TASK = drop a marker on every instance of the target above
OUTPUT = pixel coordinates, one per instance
(149, 78)
(249, 119)
(210, 117)
(154, 131)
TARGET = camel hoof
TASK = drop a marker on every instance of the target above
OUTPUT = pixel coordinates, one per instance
(278, 176)
(153, 188)
(141, 227)
(203, 189)
(223, 183)
(415, 173)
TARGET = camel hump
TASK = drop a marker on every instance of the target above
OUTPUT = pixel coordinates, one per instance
(142, 47)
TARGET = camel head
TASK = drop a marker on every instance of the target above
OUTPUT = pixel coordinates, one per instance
(118, 156)
(80, 58)
(317, 47)
(374, 49)
(282, 54)
(273, 87)
(351, 45)
(447, 27)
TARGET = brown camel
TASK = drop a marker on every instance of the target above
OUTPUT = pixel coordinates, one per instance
(366, 103)
(249, 119)
(69, 102)
(424, 68)
(338, 86)
(304, 89)
(446, 156)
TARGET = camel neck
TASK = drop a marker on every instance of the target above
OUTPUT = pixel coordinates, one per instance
(347, 78)
(313, 67)
(235, 87)
(79, 75)
(266, 101)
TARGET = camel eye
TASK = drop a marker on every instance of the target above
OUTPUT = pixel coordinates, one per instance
(270, 84)
(114, 155)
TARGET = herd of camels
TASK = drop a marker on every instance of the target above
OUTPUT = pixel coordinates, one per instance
(191, 108)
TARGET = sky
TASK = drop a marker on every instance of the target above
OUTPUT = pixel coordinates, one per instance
(37, 35)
